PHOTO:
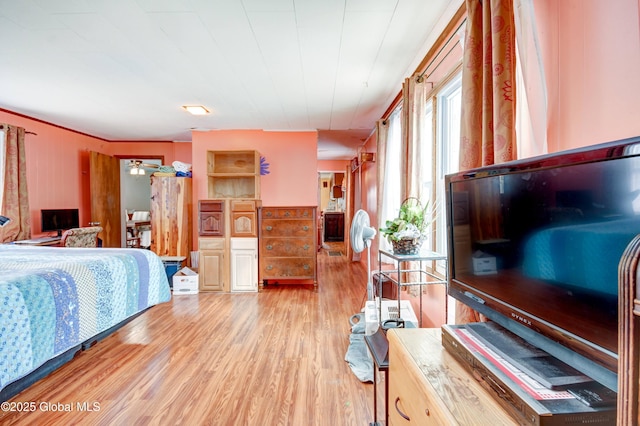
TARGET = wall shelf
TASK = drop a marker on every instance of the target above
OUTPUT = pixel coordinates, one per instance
(233, 174)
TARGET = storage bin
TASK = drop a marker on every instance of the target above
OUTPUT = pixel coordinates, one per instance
(171, 265)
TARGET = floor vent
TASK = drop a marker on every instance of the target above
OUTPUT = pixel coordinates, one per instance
(335, 253)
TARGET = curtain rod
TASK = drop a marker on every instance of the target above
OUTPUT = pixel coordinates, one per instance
(446, 43)
(26, 131)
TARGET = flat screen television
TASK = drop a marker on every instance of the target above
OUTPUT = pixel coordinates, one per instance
(535, 245)
(59, 220)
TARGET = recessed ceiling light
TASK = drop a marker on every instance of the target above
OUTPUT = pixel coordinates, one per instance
(196, 109)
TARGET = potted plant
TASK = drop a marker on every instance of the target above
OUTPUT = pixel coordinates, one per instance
(407, 232)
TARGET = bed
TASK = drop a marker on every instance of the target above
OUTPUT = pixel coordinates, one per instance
(56, 302)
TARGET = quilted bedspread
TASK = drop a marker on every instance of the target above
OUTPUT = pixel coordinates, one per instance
(53, 299)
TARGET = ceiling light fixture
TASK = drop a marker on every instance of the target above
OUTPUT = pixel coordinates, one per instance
(196, 109)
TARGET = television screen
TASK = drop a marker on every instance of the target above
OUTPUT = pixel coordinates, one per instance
(539, 242)
(59, 220)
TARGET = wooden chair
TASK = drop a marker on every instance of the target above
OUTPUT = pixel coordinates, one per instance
(629, 335)
(81, 237)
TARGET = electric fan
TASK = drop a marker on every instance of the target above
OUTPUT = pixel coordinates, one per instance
(361, 235)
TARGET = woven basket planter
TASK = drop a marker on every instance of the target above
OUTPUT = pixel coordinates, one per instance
(407, 246)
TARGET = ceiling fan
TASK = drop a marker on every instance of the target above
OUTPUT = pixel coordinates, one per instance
(137, 167)
(361, 235)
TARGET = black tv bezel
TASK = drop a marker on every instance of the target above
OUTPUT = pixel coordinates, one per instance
(75, 211)
(592, 359)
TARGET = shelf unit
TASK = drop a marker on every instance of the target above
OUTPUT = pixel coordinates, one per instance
(233, 174)
(404, 269)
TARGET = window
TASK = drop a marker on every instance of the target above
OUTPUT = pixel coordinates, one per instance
(426, 163)
(442, 154)
(447, 147)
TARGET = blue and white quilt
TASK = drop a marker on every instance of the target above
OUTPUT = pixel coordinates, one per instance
(54, 299)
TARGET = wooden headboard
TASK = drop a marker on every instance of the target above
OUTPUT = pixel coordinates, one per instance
(629, 335)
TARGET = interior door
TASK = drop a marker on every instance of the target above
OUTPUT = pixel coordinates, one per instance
(104, 176)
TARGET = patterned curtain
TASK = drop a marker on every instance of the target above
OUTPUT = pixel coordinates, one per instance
(488, 107)
(15, 200)
(414, 104)
(488, 99)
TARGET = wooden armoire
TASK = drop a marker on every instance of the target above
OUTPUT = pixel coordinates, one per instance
(171, 220)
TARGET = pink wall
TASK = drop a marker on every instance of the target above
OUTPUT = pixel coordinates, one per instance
(333, 165)
(58, 164)
(591, 53)
(57, 167)
(292, 158)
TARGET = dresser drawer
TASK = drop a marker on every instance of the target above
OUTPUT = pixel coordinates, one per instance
(287, 267)
(294, 247)
(211, 205)
(243, 205)
(287, 228)
(408, 396)
(287, 212)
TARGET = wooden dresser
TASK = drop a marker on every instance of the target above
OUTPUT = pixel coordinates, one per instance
(288, 245)
(428, 386)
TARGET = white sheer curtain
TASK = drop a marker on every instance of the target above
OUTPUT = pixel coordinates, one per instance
(390, 199)
(531, 107)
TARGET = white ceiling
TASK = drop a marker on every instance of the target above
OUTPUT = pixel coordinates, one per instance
(122, 69)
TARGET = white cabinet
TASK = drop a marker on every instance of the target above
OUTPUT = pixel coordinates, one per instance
(244, 264)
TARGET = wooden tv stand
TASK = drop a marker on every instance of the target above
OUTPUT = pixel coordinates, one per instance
(435, 377)
(429, 386)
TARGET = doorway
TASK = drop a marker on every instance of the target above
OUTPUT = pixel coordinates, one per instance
(331, 202)
(135, 187)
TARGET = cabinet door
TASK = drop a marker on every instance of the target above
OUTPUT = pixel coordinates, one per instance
(212, 270)
(211, 218)
(244, 264)
(212, 224)
(243, 224)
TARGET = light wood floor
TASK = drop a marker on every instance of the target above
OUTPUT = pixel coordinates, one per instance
(270, 358)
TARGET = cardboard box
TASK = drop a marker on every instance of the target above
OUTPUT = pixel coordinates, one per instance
(185, 281)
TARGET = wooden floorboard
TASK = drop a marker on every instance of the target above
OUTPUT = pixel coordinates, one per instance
(270, 358)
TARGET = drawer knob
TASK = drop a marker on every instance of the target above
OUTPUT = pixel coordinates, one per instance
(269, 228)
(306, 267)
(269, 247)
(306, 246)
(306, 227)
(287, 213)
(404, 416)
(269, 267)
(269, 214)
